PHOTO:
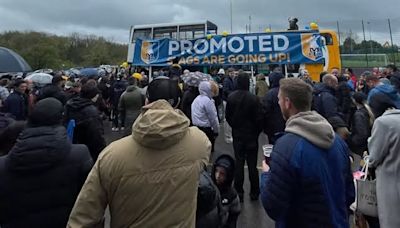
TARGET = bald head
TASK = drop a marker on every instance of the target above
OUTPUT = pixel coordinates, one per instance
(330, 80)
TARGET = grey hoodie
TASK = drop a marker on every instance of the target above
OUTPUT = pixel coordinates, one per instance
(312, 127)
(204, 113)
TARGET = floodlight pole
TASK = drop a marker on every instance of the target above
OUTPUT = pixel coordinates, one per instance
(231, 16)
(365, 43)
(391, 40)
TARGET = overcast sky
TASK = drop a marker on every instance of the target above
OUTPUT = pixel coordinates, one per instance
(112, 18)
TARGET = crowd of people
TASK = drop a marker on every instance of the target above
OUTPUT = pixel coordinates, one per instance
(56, 169)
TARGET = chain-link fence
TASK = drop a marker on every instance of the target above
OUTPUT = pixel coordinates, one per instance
(363, 42)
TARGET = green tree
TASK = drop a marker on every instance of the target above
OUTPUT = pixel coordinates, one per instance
(42, 50)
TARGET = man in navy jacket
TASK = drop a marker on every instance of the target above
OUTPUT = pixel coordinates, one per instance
(308, 181)
(325, 101)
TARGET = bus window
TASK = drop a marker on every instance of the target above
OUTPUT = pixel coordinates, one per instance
(142, 34)
(171, 35)
(199, 34)
(191, 31)
(187, 35)
(165, 32)
(328, 38)
(212, 32)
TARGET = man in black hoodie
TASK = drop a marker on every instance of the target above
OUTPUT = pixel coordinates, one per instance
(43, 173)
(243, 113)
(89, 125)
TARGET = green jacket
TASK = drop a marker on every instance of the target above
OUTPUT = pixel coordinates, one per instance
(261, 88)
(130, 104)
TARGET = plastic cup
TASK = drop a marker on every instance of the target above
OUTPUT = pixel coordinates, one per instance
(267, 150)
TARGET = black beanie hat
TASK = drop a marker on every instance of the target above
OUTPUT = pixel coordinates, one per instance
(46, 112)
(164, 88)
(89, 91)
(243, 81)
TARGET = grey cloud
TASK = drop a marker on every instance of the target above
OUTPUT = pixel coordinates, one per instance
(112, 19)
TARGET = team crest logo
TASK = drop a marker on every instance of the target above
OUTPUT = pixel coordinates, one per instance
(149, 51)
(311, 46)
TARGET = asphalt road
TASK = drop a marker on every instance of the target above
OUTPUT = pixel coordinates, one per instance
(252, 214)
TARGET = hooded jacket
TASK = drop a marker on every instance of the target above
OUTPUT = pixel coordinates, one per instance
(89, 125)
(204, 113)
(382, 96)
(229, 197)
(273, 119)
(148, 179)
(130, 105)
(41, 178)
(384, 147)
(310, 182)
(243, 111)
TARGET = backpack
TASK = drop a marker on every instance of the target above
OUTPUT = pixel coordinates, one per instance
(316, 103)
(207, 194)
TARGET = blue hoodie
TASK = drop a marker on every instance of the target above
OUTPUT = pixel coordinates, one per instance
(388, 90)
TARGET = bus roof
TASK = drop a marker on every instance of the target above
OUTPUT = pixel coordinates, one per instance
(209, 24)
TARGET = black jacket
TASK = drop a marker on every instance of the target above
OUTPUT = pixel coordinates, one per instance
(273, 119)
(228, 87)
(52, 91)
(188, 97)
(325, 101)
(105, 90)
(17, 105)
(360, 131)
(89, 125)
(41, 178)
(117, 89)
(244, 114)
(343, 95)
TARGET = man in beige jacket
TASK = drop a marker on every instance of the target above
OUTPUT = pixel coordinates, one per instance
(150, 178)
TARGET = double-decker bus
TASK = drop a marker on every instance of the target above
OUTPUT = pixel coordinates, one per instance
(181, 34)
(178, 31)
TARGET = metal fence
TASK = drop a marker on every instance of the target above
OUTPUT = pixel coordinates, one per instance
(363, 42)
